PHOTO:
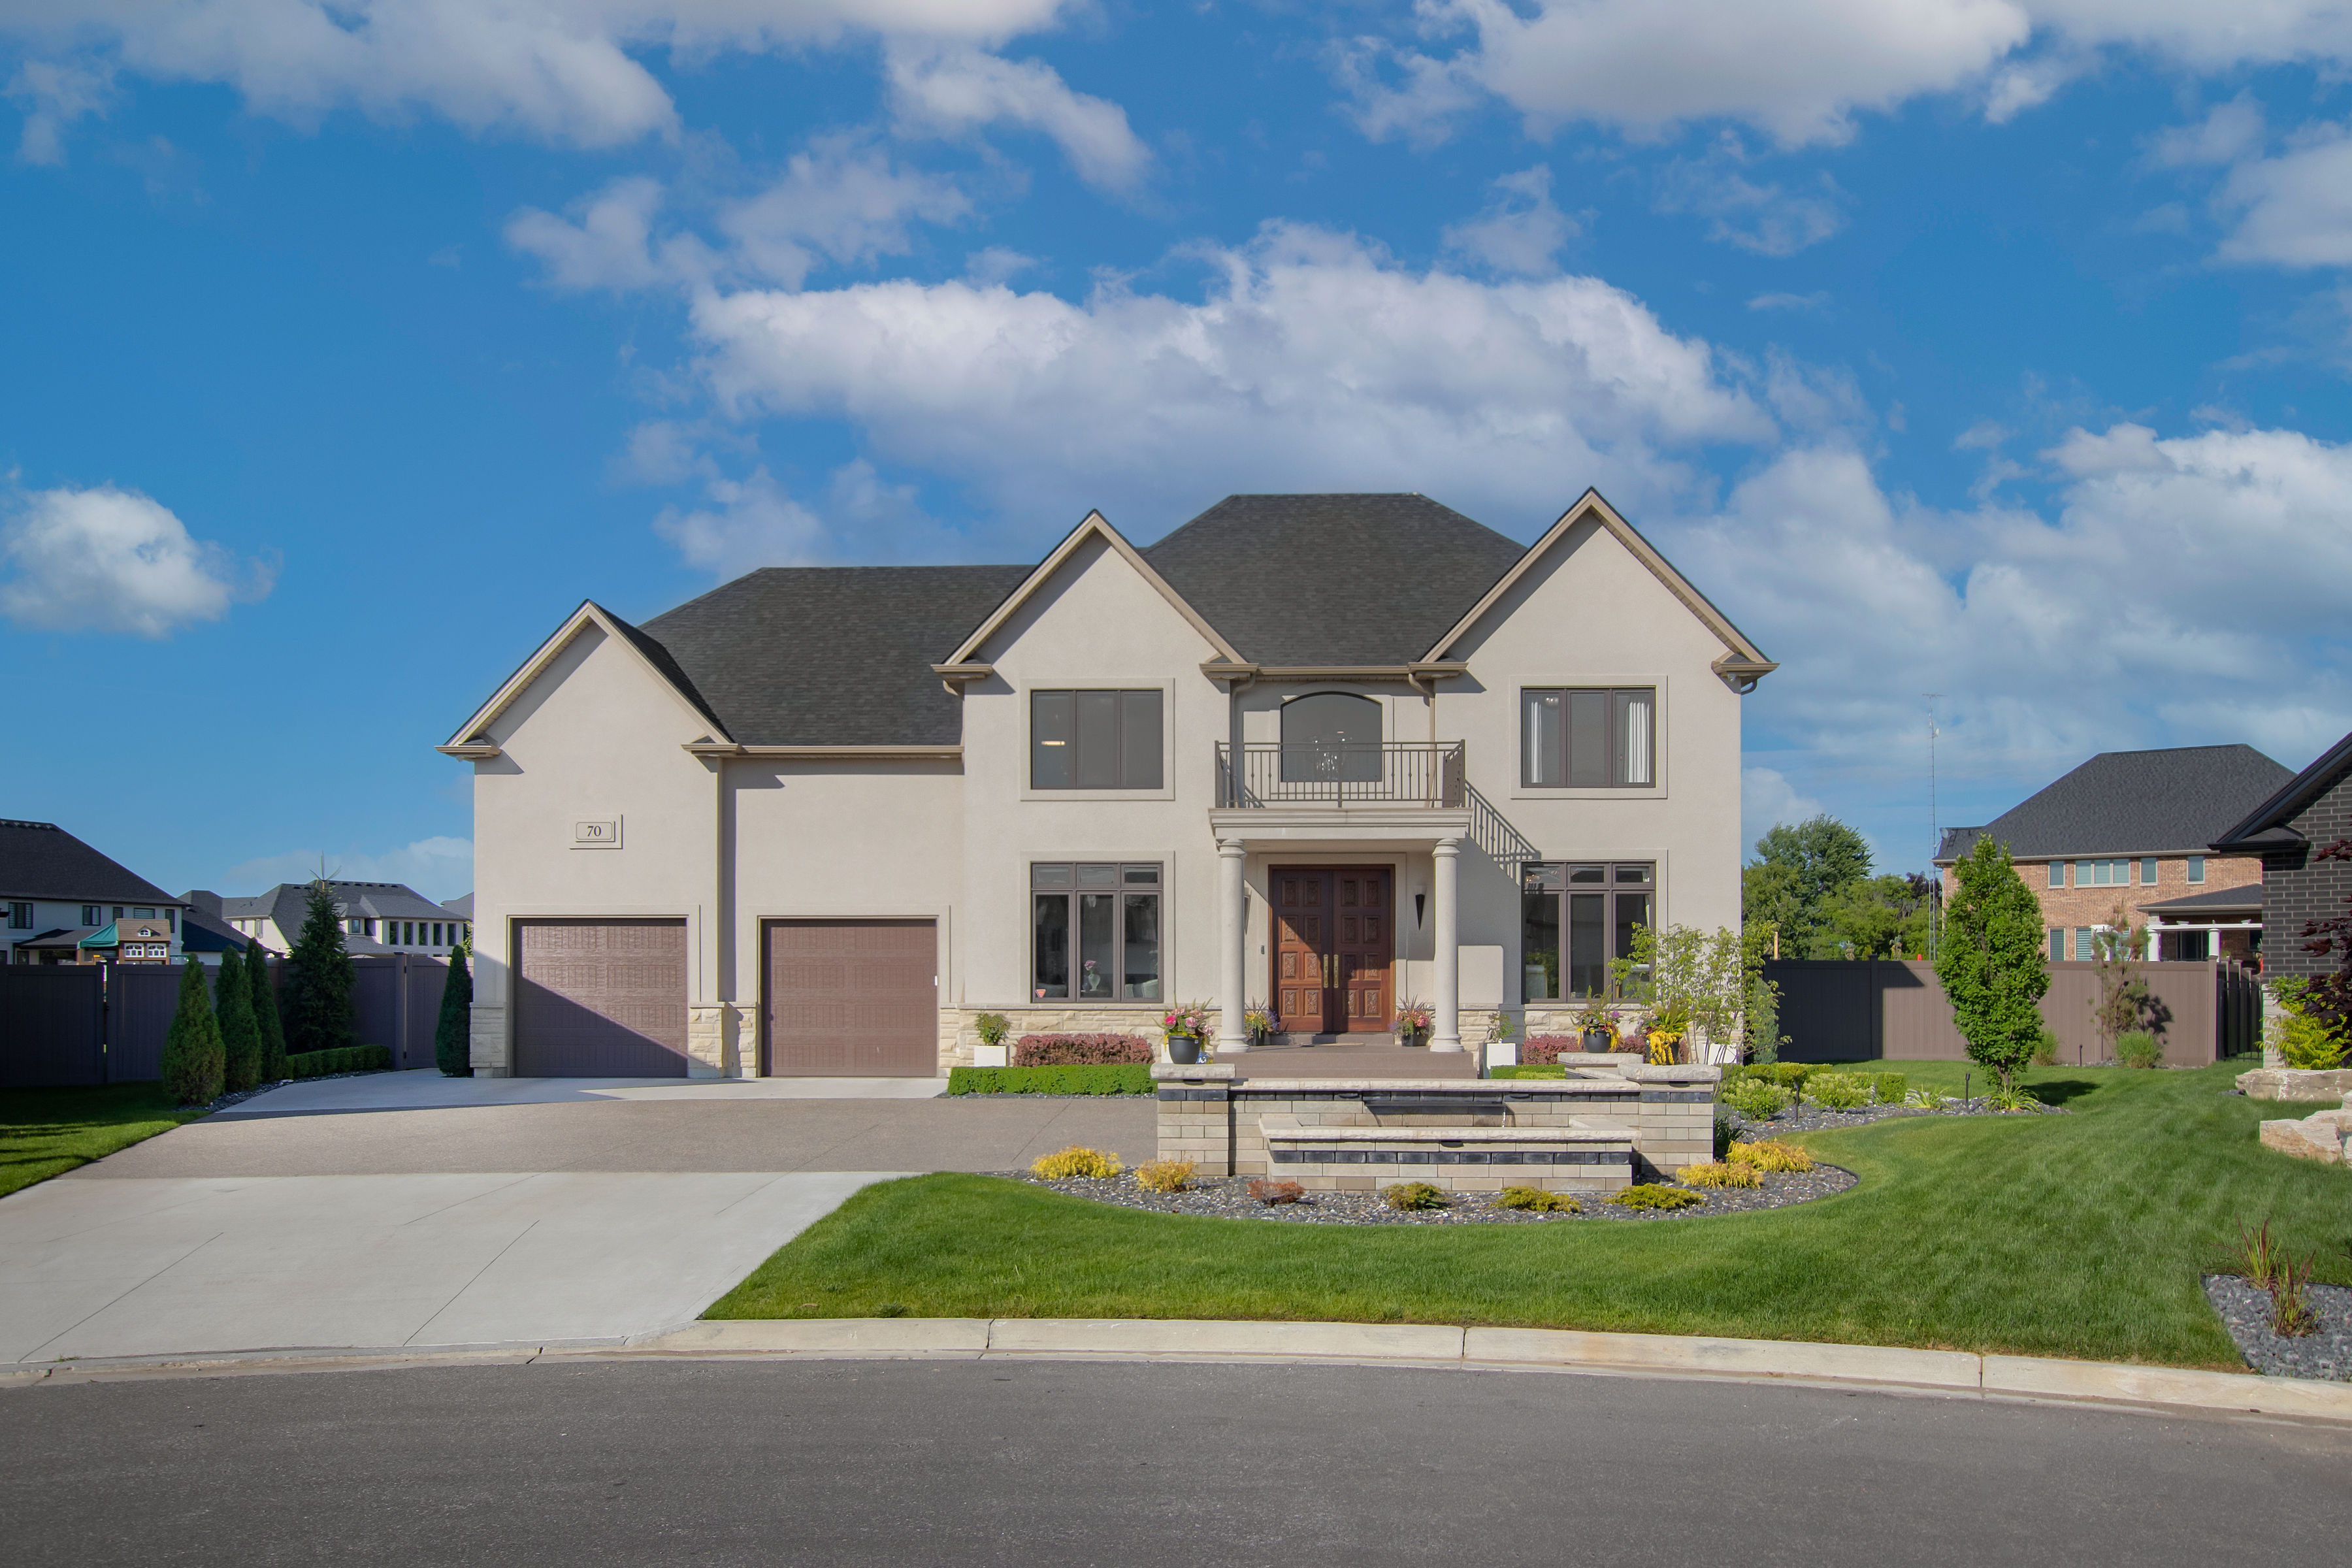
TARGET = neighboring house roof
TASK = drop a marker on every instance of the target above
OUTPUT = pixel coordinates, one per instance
(1309, 580)
(285, 903)
(463, 907)
(833, 656)
(202, 931)
(42, 860)
(2218, 902)
(2269, 824)
(59, 937)
(2130, 802)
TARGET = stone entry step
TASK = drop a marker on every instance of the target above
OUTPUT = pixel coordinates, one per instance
(1352, 1061)
(1579, 1157)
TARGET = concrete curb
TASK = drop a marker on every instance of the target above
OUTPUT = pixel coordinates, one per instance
(1952, 1374)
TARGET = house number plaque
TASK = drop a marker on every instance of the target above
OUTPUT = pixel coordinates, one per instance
(600, 832)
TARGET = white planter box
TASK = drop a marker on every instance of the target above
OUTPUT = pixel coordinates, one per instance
(989, 1056)
(1502, 1053)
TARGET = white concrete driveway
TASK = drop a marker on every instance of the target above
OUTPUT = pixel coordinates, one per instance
(161, 1267)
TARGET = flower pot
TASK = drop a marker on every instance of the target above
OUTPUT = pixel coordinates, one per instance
(1183, 1050)
(1596, 1042)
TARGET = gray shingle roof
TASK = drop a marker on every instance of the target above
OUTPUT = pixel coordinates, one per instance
(2132, 802)
(285, 903)
(1332, 579)
(2216, 901)
(42, 860)
(2269, 824)
(832, 656)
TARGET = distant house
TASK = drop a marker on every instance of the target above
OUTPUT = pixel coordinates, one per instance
(2139, 829)
(66, 903)
(2285, 831)
(378, 917)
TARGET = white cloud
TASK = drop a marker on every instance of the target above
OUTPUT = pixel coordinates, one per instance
(1767, 799)
(1800, 70)
(1520, 230)
(1312, 360)
(2228, 134)
(750, 522)
(1817, 301)
(2294, 210)
(109, 560)
(838, 201)
(54, 94)
(562, 71)
(956, 92)
(440, 868)
(1766, 219)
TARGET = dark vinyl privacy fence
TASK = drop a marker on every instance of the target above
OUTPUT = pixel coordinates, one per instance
(85, 1024)
(1838, 1010)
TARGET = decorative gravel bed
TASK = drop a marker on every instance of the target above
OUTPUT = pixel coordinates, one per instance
(2246, 1312)
(1820, 1119)
(1228, 1197)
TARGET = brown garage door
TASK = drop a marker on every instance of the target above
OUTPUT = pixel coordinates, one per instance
(853, 999)
(599, 999)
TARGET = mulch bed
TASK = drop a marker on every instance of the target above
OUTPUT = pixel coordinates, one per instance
(1228, 1197)
(2246, 1314)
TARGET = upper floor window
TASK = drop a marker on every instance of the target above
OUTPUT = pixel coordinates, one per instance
(1330, 735)
(2197, 868)
(89, 914)
(1589, 739)
(2147, 873)
(1095, 739)
(2103, 873)
(2057, 873)
(20, 917)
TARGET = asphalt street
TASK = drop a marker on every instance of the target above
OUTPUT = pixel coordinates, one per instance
(1130, 1466)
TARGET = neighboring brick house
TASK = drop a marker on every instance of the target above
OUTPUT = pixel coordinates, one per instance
(2286, 831)
(2136, 829)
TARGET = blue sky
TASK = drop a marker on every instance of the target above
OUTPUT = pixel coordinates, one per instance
(1992, 348)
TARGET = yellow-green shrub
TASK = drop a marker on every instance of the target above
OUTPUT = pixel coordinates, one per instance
(1076, 1160)
(1837, 1091)
(1164, 1176)
(2305, 1043)
(1719, 1173)
(1771, 1154)
(1412, 1195)
(1656, 1196)
(1536, 1198)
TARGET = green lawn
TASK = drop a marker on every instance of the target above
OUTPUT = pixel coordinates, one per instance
(46, 1130)
(2071, 1235)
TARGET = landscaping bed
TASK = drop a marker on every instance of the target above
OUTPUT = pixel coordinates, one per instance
(1228, 1197)
(2246, 1312)
(1811, 1117)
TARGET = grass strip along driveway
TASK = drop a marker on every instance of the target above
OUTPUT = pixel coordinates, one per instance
(2078, 1235)
(43, 1131)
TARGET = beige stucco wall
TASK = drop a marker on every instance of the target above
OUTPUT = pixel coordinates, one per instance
(597, 735)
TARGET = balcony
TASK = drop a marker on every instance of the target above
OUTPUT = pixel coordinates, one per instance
(1406, 772)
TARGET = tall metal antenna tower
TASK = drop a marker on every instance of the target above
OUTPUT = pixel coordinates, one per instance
(1935, 832)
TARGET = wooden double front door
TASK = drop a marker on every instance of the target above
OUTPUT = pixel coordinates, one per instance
(1334, 949)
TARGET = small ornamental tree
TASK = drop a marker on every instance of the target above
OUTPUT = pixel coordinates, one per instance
(192, 1046)
(2122, 993)
(240, 1036)
(453, 1035)
(321, 1013)
(1990, 962)
(2327, 998)
(267, 1026)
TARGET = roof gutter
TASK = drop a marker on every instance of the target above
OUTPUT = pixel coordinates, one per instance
(1246, 675)
(1741, 673)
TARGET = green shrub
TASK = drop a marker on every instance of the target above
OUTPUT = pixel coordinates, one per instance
(1127, 1078)
(240, 1036)
(1077, 1161)
(1412, 1195)
(194, 1059)
(2138, 1049)
(1656, 1196)
(1839, 1091)
(342, 1058)
(1889, 1087)
(1752, 1096)
(453, 1030)
(2305, 1043)
(1529, 1069)
(1787, 1074)
(2046, 1050)
(1537, 1199)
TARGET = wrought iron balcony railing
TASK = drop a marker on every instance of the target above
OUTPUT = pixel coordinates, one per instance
(1421, 772)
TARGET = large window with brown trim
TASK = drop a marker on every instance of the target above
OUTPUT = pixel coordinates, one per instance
(1575, 737)
(1575, 918)
(1095, 739)
(1094, 931)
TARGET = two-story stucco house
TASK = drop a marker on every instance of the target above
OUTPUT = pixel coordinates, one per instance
(1317, 754)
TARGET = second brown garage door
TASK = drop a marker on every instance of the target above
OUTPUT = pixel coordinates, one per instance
(853, 999)
(600, 998)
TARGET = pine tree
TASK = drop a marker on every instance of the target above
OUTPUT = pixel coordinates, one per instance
(321, 1012)
(192, 1046)
(453, 1035)
(1990, 962)
(267, 1026)
(240, 1036)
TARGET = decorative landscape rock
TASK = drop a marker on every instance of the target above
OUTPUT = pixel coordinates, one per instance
(2319, 1136)
(2323, 1087)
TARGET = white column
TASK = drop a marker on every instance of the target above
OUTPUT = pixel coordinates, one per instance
(1234, 930)
(1445, 1034)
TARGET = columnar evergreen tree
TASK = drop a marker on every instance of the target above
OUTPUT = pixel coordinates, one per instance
(240, 1036)
(1990, 962)
(192, 1046)
(267, 1026)
(453, 1035)
(322, 1014)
